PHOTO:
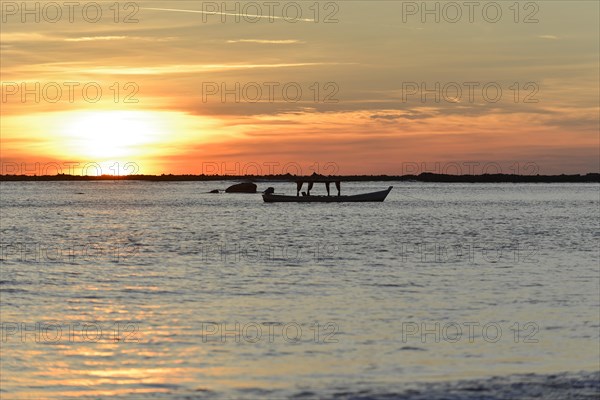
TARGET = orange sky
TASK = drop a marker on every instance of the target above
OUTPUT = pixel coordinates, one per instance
(337, 89)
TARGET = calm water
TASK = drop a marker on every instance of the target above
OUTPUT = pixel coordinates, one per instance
(135, 289)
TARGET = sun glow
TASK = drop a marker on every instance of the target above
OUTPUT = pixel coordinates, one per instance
(119, 142)
(113, 134)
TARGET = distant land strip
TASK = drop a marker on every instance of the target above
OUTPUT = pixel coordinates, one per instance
(423, 177)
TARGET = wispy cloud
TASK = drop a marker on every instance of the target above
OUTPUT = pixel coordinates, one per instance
(251, 16)
(193, 68)
(266, 41)
(77, 68)
(36, 37)
(548, 37)
(24, 37)
(94, 38)
(391, 117)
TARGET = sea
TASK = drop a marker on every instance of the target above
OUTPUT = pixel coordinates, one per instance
(152, 290)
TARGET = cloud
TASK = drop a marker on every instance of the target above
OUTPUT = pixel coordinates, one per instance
(249, 16)
(548, 37)
(266, 41)
(389, 117)
(25, 37)
(392, 117)
(93, 38)
(193, 68)
(36, 37)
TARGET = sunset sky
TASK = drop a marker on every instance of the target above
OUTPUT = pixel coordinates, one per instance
(361, 58)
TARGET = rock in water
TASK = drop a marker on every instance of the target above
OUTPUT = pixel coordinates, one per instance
(214, 191)
(246, 187)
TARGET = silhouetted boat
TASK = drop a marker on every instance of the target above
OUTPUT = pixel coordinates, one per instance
(270, 197)
(364, 197)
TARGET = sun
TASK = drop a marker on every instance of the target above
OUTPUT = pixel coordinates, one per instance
(113, 134)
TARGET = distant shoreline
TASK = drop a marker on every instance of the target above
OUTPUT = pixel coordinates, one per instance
(424, 177)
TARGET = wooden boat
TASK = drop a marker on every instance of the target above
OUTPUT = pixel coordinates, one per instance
(364, 197)
(270, 197)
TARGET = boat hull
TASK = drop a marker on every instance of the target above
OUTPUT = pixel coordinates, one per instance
(357, 198)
